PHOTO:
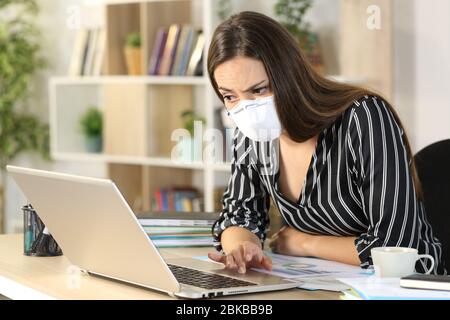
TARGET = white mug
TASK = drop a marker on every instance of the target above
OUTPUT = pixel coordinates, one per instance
(397, 261)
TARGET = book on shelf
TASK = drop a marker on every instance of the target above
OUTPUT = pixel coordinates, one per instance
(184, 49)
(99, 53)
(177, 51)
(88, 52)
(195, 63)
(158, 51)
(76, 62)
(176, 199)
(169, 50)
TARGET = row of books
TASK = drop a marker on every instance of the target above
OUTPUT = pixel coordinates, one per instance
(177, 229)
(88, 52)
(177, 51)
(176, 199)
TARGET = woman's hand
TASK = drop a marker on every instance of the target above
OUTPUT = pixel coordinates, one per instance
(246, 255)
(291, 242)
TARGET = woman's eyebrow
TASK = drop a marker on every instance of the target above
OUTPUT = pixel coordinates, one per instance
(249, 89)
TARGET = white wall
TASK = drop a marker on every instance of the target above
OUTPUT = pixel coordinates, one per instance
(422, 81)
(432, 47)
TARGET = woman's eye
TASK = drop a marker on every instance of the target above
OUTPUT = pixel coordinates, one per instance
(228, 98)
(260, 90)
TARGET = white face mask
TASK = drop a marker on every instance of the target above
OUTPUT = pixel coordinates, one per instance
(257, 119)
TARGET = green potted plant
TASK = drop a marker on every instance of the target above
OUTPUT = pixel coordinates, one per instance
(189, 148)
(20, 130)
(291, 14)
(224, 9)
(92, 125)
(133, 53)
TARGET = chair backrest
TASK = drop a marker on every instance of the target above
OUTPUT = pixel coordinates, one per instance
(433, 166)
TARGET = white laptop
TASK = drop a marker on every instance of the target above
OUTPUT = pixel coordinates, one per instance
(99, 233)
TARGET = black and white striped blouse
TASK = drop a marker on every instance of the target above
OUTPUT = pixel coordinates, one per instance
(358, 184)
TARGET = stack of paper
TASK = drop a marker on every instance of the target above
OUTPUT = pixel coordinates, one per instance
(311, 273)
(290, 267)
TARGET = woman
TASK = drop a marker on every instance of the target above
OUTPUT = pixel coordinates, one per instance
(333, 157)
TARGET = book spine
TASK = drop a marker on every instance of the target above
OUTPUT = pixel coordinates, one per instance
(196, 55)
(159, 200)
(155, 60)
(167, 55)
(181, 44)
(99, 53)
(174, 50)
(165, 206)
(88, 67)
(186, 52)
(171, 204)
(85, 52)
(77, 53)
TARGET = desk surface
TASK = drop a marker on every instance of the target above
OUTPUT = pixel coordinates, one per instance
(23, 277)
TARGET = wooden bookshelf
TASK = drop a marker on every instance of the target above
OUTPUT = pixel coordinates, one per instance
(140, 112)
(151, 109)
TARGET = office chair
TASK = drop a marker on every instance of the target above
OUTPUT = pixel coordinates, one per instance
(433, 167)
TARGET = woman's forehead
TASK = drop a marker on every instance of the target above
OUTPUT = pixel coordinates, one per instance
(240, 73)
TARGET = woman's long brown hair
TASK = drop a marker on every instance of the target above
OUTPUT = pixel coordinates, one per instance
(307, 103)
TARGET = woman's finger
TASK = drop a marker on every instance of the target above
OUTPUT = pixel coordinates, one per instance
(217, 257)
(239, 259)
(231, 263)
(249, 253)
(266, 263)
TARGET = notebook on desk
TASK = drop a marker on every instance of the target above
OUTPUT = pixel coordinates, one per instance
(426, 281)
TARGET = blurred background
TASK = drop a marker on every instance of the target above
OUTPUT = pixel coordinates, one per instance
(107, 88)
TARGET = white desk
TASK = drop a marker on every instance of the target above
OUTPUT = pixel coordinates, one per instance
(23, 277)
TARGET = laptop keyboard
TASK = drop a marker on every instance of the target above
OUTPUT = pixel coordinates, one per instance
(206, 280)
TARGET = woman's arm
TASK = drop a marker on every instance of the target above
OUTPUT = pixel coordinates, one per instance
(340, 249)
(384, 179)
(245, 202)
(292, 242)
(240, 231)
